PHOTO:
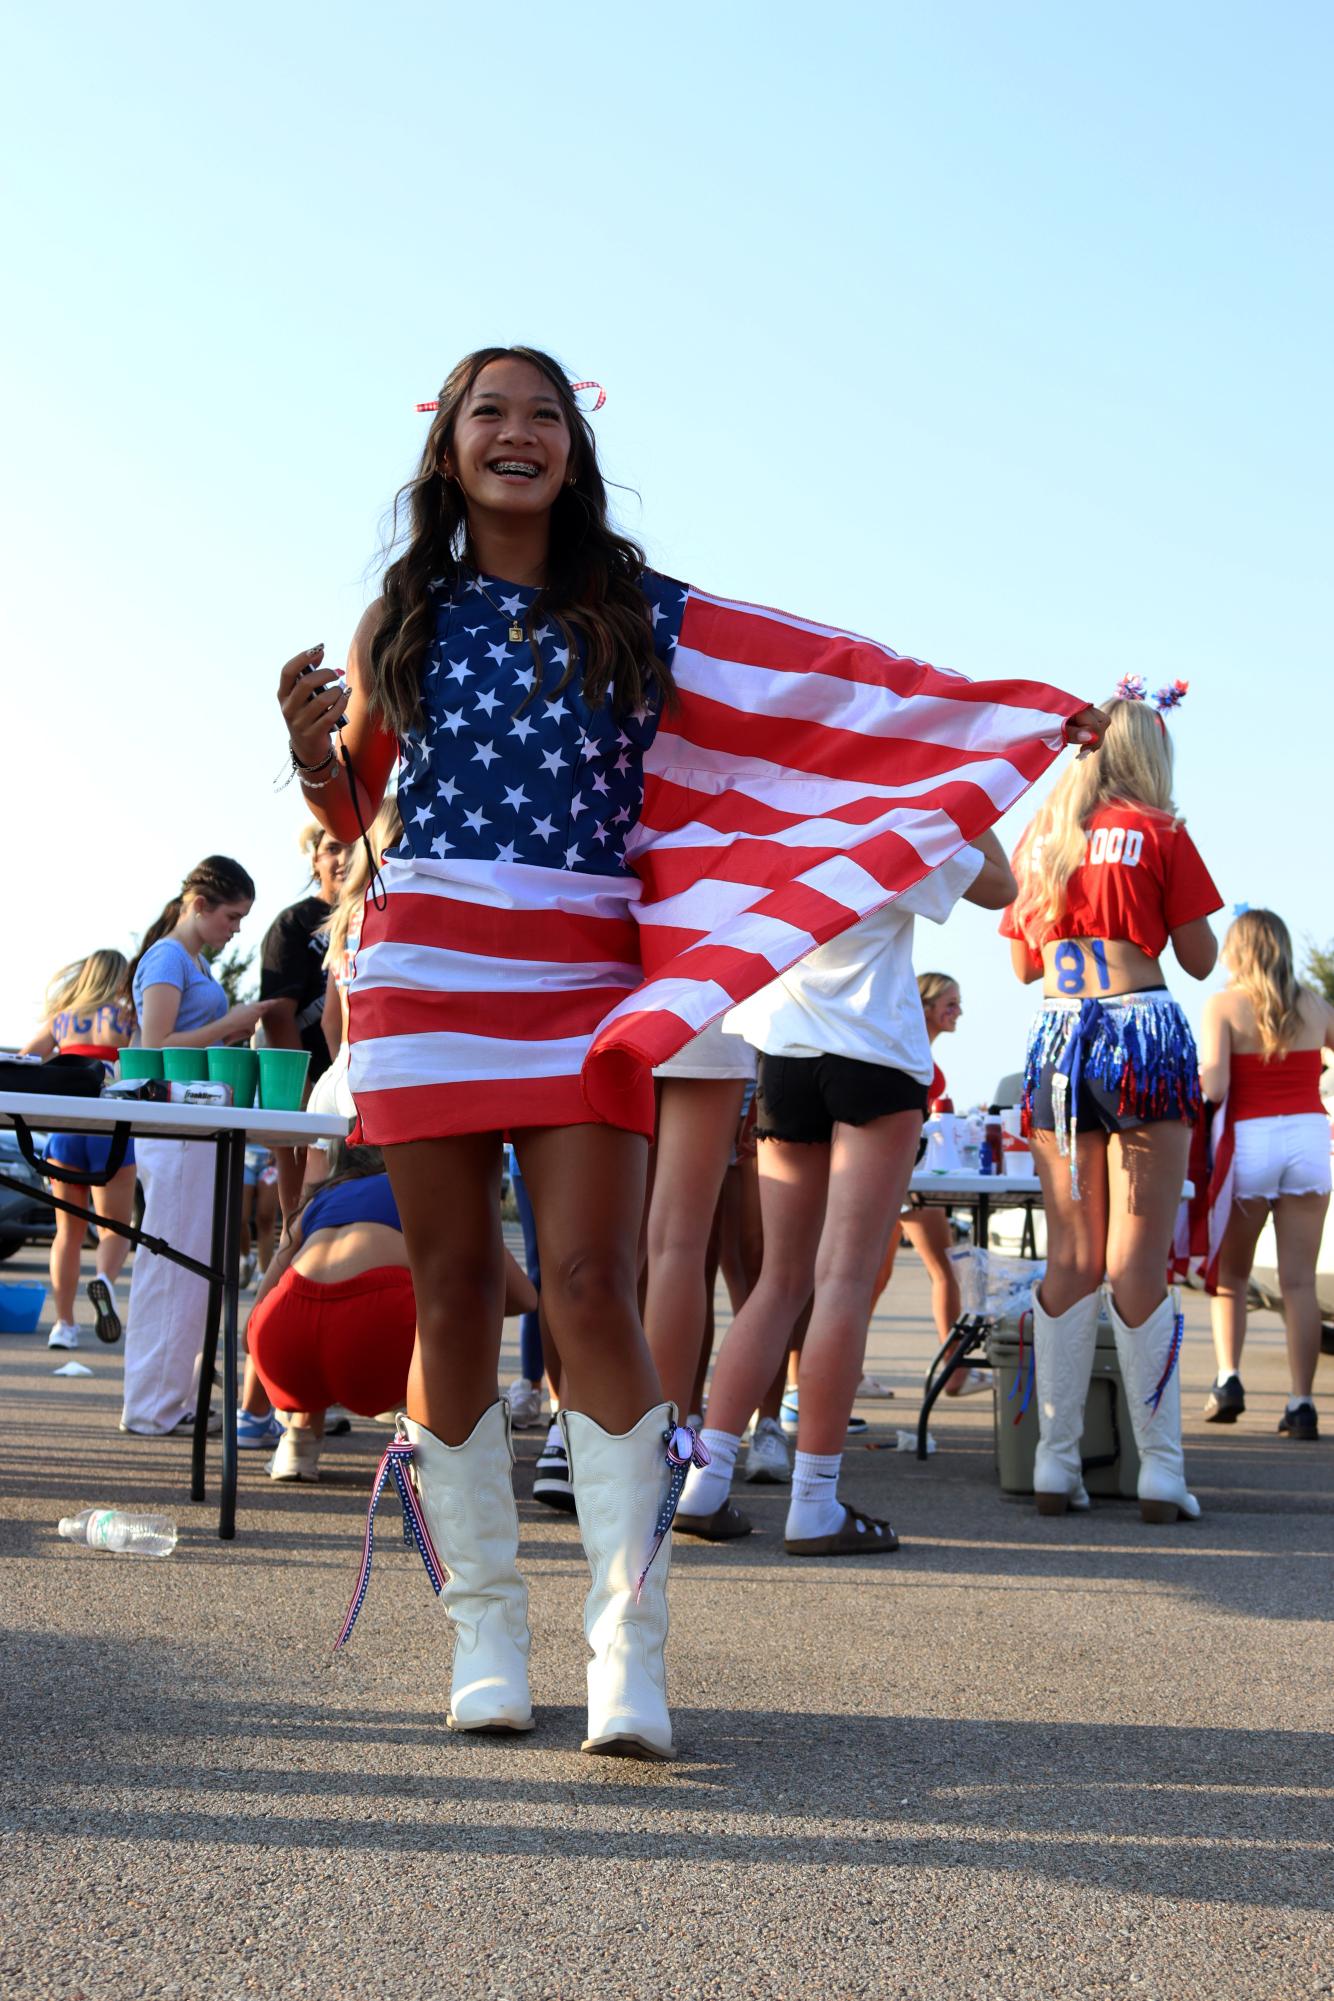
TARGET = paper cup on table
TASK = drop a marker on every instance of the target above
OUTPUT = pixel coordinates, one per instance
(141, 1063)
(185, 1066)
(282, 1078)
(237, 1067)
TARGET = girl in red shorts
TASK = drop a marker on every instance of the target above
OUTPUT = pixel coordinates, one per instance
(1107, 876)
(335, 1320)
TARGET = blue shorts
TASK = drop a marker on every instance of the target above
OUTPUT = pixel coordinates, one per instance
(87, 1152)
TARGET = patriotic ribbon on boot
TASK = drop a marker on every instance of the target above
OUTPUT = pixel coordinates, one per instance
(1019, 1378)
(685, 1449)
(1173, 1352)
(398, 1462)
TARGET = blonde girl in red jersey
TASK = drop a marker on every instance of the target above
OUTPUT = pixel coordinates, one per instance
(1261, 1050)
(1107, 877)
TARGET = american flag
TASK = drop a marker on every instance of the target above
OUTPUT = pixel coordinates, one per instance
(1202, 1218)
(577, 895)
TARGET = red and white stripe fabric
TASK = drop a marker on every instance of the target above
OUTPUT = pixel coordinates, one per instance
(1202, 1217)
(477, 991)
(806, 778)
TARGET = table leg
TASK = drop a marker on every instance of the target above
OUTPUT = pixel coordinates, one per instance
(209, 1357)
(235, 1172)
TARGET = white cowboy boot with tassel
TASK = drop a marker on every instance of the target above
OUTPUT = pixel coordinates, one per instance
(467, 1496)
(1063, 1345)
(625, 1489)
(1148, 1357)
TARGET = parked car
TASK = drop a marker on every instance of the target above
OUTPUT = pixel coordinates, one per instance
(24, 1218)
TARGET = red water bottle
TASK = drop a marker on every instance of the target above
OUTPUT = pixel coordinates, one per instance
(994, 1142)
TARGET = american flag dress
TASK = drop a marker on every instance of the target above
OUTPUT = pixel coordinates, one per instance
(577, 894)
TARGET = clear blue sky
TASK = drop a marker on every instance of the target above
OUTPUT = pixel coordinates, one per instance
(1002, 334)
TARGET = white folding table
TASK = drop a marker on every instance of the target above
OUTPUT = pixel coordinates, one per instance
(228, 1128)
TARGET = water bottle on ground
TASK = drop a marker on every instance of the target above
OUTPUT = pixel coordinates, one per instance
(129, 1535)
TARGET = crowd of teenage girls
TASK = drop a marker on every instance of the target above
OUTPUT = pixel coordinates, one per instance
(521, 666)
(742, 1184)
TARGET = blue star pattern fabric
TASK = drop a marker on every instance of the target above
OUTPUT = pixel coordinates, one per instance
(506, 772)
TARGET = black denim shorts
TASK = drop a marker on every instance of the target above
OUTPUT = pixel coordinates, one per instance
(804, 1097)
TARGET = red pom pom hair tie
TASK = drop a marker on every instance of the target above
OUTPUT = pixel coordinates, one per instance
(425, 409)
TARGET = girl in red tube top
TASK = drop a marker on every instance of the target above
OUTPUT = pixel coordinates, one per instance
(1261, 1049)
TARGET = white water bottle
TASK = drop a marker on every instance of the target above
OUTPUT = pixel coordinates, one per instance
(129, 1535)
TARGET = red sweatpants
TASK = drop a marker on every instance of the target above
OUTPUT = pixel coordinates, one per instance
(348, 1343)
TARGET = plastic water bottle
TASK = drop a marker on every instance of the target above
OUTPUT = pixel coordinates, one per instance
(130, 1535)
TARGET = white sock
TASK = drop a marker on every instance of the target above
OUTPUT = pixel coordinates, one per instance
(707, 1487)
(555, 1440)
(1295, 1403)
(1225, 1376)
(815, 1508)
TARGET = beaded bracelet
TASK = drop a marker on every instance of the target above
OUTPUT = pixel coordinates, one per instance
(324, 762)
(307, 779)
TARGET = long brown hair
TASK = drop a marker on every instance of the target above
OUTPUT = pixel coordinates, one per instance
(1258, 953)
(592, 586)
(218, 879)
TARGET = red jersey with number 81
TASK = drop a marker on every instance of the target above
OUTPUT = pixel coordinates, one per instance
(1140, 880)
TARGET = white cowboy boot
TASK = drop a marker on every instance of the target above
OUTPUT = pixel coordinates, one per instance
(1144, 1353)
(620, 1488)
(467, 1496)
(1063, 1345)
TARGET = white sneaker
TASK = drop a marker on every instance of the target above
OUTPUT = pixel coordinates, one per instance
(525, 1402)
(298, 1455)
(63, 1335)
(767, 1458)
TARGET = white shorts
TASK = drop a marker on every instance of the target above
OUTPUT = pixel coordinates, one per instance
(712, 1054)
(1285, 1155)
(331, 1092)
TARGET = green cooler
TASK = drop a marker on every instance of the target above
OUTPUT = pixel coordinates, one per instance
(1111, 1463)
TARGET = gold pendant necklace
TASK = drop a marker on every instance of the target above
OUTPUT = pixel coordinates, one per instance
(516, 630)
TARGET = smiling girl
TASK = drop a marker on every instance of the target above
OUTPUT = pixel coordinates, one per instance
(576, 797)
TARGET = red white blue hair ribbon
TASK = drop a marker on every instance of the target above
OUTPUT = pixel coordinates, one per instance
(398, 1462)
(575, 387)
(1134, 688)
(685, 1449)
(1174, 1350)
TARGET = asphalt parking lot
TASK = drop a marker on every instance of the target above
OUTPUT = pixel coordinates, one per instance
(1023, 1757)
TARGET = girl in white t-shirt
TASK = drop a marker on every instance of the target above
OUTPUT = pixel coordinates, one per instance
(844, 1070)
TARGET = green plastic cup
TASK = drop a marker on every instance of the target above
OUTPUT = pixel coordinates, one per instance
(185, 1066)
(141, 1063)
(237, 1067)
(282, 1078)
